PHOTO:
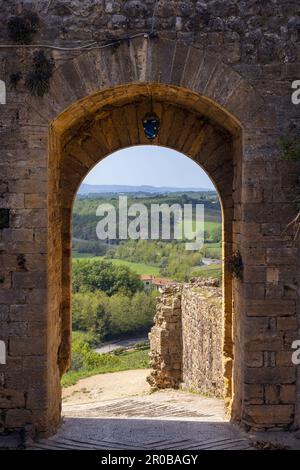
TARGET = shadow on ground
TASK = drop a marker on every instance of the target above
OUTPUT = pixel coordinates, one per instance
(148, 434)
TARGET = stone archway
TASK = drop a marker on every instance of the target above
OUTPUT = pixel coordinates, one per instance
(225, 125)
(112, 120)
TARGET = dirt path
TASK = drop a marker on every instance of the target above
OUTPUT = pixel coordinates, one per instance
(108, 386)
(121, 343)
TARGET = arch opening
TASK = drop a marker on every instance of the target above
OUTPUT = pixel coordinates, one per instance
(120, 274)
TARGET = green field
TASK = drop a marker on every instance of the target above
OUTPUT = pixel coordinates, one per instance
(76, 255)
(209, 226)
(212, 270)
(212, 250)
(213, 246)
(141, 268)
(138, 268)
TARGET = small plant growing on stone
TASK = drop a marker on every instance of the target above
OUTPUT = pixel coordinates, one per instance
(14, 79)
(291, 151)
(4, 218)
(38, 79)
(21, 261)
(290, 148)
(235, 265)
(21, 28)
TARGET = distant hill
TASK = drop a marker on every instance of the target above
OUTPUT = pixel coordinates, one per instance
(86, 189)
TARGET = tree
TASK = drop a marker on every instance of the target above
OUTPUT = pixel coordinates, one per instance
(217, 234)
(94, 274)
(120, 315)
(91, 313)
(143, 305)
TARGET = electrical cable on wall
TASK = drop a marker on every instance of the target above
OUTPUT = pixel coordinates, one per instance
(88, 47)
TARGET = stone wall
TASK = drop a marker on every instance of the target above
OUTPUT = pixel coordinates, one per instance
(202, 338)
(187, 338)
(166, 341)
(252, 31)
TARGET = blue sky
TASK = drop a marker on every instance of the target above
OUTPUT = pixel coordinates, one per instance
(150, 165)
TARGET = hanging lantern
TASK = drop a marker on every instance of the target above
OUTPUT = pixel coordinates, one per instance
(151, 124)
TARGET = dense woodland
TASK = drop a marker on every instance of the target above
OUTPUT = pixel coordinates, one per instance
(109, 301)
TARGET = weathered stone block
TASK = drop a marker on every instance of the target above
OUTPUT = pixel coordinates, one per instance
(287, 394)
(17, 418)
(25, 280)
(12, 201)
(254, 358)
(266, 307)
(35, 201)
(12, 296)
(284, 358)
(254, 394)
(270, 375)
(287, 323)
(17, 235)
(25, 312)
(10, 398)
(272, 394)
(27, 347)
(269, 414)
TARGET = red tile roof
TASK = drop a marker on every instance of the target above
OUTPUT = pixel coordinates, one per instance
(157, 281)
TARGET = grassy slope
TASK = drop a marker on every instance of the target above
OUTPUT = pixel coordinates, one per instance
(76, 255)
(126, 361)
(139, 268)
(209, 226)
(212, 270)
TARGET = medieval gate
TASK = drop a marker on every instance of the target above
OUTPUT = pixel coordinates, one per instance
(214, 108)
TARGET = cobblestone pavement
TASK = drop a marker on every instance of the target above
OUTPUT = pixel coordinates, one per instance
(162, 420)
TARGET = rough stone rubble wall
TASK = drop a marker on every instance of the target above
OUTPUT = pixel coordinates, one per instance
(254, 31)
(202, 333)
(186, 340)
(166, 341)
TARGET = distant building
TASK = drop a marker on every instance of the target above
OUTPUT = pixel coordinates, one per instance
(152, 282)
